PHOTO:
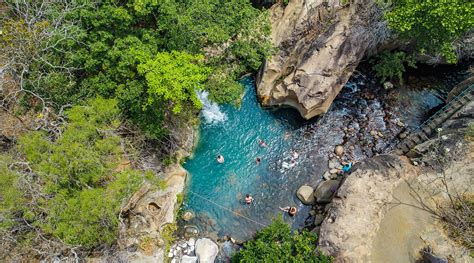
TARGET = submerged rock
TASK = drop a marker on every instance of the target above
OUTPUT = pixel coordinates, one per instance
(206, 250)
(325, 191)
(188, 215)
(305, 194)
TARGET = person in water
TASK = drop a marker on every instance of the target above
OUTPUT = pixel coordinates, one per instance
(290, 210)
(295, 155)
(220, 158)
(262, 143)
(257, 160)
(248, 199)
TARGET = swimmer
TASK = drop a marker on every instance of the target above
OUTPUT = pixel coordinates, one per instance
(262, 143)
(289, 165)
(220, 158)
(257, 160)
(248, 199)
(290, 210)
(295, 155)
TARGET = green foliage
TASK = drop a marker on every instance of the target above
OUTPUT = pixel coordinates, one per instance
(433, 24)
(174, 77)
(80, 189)
(276, 243)
(392, 64)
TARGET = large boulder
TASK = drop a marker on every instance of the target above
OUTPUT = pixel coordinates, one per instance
(206, 250)
(305, 194)
(320, 43)
(189, 259)
(325, 191)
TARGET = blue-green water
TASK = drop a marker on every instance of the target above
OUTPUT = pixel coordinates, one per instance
(351, 118)
(226, 184)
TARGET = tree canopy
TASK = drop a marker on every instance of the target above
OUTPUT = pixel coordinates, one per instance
(433, 24)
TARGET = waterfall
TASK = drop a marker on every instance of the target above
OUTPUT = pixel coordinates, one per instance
(210, 110)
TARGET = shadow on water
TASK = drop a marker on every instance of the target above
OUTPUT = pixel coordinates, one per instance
(364, 118)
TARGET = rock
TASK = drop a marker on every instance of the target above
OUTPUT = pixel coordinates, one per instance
(173, 260)
(191, 231)
(388, 85)
(213, 236)
(327, 176)
(333, 163)
(183, 245)
(206, 250)
(313, 62)
(333, 171)
(325, 191)
(373, 132)
(191, 242)
(318, 219)
(339, 150)
(189, 259)
(331, 155)
(187, 215)
(380, 134)
(170, 254)
(305, 194)
(402, 135)
(400, 124)
(352, 148)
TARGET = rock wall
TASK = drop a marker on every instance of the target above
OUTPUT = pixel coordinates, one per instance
(320, 43)
(359, 206)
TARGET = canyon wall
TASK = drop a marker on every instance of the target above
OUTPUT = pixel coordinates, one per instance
(319, 43)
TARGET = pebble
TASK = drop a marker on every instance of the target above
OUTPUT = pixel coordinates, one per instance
(400, 124)
(170, 254)
(183, 245)
(327, 176)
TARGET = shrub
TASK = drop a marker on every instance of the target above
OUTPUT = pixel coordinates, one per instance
(392, 64)
(276, 243)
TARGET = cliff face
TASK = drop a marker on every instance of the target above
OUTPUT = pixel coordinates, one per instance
(320, 43)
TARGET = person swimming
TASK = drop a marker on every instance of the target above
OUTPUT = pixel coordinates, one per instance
(248, 199)
(262, 143)
(257, 160)
(220, 158)
(295, 155)
(290, 210)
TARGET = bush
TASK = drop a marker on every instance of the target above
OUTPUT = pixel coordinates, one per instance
(434, 25)
(392, 64)
(76, 192)
(276, 243)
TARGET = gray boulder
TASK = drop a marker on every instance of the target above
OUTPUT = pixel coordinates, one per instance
(305, 194)
(325, 191)
(206, 250)
(189, 259)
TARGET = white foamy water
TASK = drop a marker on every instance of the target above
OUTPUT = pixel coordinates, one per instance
(210, 110)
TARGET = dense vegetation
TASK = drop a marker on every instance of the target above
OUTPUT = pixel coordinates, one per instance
(276, 243)
(56, 187)
(434, 27)
(133, 64)
(77, 50)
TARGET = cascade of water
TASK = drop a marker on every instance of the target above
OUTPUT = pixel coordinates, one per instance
(210, 110)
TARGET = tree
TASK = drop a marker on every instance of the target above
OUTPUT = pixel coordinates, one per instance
(434, 25)
(276, 243)
(174, 77)
(70, 188)
(392, 64)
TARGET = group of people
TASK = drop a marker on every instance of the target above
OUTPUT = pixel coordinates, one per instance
(291, 210)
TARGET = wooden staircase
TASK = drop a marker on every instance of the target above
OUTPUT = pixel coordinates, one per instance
(422, 132)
